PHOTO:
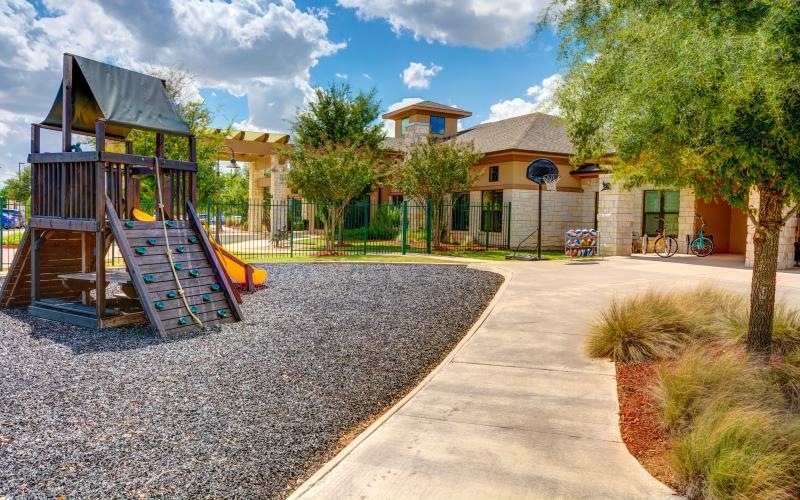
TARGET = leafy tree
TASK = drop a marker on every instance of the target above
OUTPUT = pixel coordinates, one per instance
(336, 156)
(693, 93)
(179, 85)
(433, 170)
(336, 116)
(18, 188)
(333, 176)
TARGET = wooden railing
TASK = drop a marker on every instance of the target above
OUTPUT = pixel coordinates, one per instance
(63, 189)
(65, 186)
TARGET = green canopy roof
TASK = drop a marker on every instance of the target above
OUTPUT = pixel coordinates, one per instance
(126, 100)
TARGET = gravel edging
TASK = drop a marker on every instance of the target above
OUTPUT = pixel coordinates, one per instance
(250, 410)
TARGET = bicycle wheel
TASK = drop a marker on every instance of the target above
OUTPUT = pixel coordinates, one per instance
(666, 246)
(702, 247)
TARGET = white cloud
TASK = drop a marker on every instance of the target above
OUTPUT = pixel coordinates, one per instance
(418, 76)
(388, 125)
(342, 76)
(488, 24)
(247, 47)
(366, 75)
(542, 101)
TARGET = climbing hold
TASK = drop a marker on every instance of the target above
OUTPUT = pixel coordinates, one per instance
(159, 305)
(206, 298)
(193, 309)
(172, 294)
(149, 278)
(192, 239)
(194, 273)
(215, 287)
(181, 249)
(152, 242)
(222, 313)
(178, 266)
(169, 223)
(141, 250)
(129, 224)
(183, 320)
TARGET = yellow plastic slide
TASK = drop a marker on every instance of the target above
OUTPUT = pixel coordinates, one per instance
(237, 269)
(234, 267)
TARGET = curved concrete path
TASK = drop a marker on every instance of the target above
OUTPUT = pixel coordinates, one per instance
(518, 410)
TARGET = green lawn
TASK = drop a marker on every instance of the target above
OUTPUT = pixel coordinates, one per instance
(436, 257)
(501, 254)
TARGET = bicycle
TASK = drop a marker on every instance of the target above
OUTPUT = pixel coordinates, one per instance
(701, 246)
(665, 245)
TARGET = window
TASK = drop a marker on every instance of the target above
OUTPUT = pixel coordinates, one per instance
(494, 173)
(403, 126)
(660, 205)
(460, 213)
(397, 199)
(492, 211)
(437, 125)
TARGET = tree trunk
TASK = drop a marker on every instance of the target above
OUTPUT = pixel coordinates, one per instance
(765, 267)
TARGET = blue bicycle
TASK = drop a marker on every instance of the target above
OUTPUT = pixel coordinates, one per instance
(701, 246)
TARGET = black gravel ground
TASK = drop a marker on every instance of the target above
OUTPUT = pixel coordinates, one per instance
(248, 411)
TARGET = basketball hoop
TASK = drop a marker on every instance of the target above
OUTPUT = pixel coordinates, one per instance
(551, 181)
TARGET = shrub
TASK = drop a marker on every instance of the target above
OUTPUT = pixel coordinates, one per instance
(738, 452)
(12, 237)
(385, 223)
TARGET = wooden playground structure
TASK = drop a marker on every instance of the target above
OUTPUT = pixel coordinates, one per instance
(81, 202)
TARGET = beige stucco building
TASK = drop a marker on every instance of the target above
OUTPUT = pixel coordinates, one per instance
(586, 196)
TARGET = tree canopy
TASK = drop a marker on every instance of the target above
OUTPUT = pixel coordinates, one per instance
(692, 93)
(18, 188)
(337, 116)
(434, 169)
(209, 143)
(336, 157)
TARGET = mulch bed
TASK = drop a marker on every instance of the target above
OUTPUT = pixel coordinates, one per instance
(250, 410)
(641, 427)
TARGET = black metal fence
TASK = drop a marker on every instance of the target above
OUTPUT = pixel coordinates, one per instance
(254, 231)
(265, 231)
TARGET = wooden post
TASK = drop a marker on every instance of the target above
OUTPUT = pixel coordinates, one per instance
(131, 189)
(159, 144)
(35, 138)
(192, 175)
(34, 265)
(66, 105)
(100, 217)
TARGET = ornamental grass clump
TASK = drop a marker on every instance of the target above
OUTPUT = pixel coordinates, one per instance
(659, 324)
(739, 452)
(732, 421)
(639, 329)
(685, 387)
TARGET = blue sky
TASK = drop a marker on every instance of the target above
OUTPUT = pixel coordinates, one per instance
(470, 78)
(257, 61)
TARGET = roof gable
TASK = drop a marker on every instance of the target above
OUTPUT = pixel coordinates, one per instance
(427, 107)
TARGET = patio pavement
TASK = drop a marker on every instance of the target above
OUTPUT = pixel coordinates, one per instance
(518, 410)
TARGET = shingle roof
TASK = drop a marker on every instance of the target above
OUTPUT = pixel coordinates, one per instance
(431, 106)
(532, 132)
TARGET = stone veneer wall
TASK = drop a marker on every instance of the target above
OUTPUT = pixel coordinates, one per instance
(615, 218)
(786, 245)
(561, 210)
(280, 194)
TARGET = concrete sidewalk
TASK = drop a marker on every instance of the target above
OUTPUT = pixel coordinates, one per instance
(520, 411)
